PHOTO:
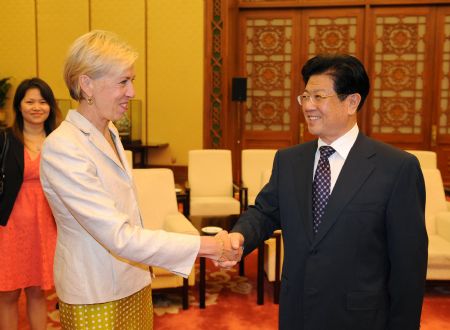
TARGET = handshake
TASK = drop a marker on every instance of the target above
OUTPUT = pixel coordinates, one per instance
(225, 249)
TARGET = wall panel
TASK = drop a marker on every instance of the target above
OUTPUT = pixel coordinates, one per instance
(17, 43)
(128, 20)
(59, 23)
(175, 74)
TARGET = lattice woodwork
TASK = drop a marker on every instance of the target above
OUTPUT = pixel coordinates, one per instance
(216, 75)
(398, 80)
(268, 53)
(443, 121)
(331, 35)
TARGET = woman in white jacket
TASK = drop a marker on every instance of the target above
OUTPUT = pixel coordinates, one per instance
(101, 250)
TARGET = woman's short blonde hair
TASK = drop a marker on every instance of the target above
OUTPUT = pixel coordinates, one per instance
(95, 54)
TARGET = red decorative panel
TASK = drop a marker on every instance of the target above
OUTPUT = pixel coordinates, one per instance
(443, 122)
(399, 78)
(268, 54)
(216, 74)
(332, 34)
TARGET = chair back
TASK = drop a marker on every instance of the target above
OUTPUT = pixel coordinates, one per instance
(265, 177)
(254, 163)
(210, 173)
(436, 201)
(156, 195)
(427, 159)
(129, 156)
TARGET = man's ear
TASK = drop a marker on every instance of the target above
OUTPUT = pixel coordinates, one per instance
(86, 85)
(353, 102)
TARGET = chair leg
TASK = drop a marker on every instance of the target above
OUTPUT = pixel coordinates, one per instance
(260, 276)
(185, 293)
(276, 283)
(241, 268)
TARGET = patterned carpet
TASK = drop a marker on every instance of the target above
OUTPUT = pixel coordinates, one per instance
(231, 305)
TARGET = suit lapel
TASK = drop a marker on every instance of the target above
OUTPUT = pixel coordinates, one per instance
(355, 171)
(103, 146)
(98, 140)
(304, 166)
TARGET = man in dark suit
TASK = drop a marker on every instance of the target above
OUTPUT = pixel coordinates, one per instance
(352, 216)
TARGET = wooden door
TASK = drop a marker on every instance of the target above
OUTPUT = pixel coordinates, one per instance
(401, 72)
(273, 48)
(330, 31)
(406, 51)
(268, 49)
(440, 121)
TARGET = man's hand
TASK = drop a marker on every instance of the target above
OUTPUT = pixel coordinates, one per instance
(233, 247)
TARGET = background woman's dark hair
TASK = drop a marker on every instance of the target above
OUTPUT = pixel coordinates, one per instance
(347, 72)
(46, 92)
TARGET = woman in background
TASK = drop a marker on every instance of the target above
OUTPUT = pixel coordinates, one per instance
(28, 232)
(102, 252)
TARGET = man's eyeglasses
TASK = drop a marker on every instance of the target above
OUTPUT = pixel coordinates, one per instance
(316, 99)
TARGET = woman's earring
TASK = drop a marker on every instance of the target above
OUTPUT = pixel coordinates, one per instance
(90, 100)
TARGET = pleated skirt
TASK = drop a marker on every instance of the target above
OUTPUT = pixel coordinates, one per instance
(133, 312)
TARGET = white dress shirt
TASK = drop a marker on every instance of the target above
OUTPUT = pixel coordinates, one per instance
(342, 146)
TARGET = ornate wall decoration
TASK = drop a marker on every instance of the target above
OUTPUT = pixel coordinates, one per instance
(398, 65)
(443, 121)
(268, 63)
(331, 35)
(216, 72)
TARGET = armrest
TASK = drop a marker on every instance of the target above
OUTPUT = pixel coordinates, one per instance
(178, 223)
(243, 195)
(443, 225)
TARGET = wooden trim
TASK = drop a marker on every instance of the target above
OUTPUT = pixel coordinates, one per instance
(338, 3)
(207, 74)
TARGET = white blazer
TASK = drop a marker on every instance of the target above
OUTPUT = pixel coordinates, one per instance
(101, 247)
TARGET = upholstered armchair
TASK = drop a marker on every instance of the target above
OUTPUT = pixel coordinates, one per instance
(254, 163)
(256, 172)
(437, 218)
(427, 159)
(129, 157)
(210, 183)
(157, 202)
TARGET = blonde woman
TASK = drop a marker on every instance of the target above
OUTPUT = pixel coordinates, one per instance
(100, 277)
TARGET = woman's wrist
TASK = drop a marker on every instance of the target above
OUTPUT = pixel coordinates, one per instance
(210, 247)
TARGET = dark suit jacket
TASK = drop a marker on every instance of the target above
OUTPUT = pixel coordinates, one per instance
(14, 176)
(366, 267)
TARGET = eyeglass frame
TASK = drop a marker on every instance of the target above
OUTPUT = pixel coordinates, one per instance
(311, 97)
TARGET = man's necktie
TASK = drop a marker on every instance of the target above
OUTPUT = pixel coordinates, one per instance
(321, 186)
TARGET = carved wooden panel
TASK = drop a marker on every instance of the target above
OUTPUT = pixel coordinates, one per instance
(440, 133)
(333, 31)
(268, 64)
(329, 31)
(400, 82)
(214, 88)
(443, 108)
(268, 52)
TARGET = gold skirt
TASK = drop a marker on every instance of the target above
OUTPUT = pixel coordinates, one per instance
(133, 312)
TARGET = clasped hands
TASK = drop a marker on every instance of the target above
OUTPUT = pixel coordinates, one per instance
(225, 249)
(231, 249)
